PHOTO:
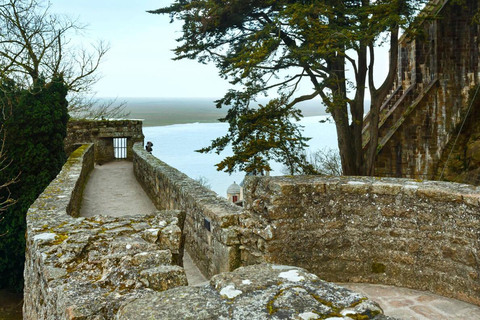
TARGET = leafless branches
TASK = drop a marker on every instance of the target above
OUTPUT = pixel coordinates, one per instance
(34, 45)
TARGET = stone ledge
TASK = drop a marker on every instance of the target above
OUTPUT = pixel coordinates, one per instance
(211, 223)
(416, 234)
(84, 268)
(256, 292)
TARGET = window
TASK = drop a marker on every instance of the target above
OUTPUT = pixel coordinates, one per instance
(120, 148)
(235, 198)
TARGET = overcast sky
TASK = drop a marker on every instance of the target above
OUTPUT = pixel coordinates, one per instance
(139, 62)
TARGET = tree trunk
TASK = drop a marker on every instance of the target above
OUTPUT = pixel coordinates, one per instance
(378, 96)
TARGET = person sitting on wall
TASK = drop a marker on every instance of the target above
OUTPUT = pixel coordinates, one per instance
(149, 146)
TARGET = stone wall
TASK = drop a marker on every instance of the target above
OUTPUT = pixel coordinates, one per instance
(417, 234)
(421, 235)
(437, 72)
(101, 134)
(256, 293)
(211, 221)
(87, 268)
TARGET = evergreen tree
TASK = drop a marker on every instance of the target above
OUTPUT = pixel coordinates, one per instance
(263, 45)
(260, 135)
(35, 126)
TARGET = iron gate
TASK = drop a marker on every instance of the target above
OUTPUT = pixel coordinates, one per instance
(120, 148)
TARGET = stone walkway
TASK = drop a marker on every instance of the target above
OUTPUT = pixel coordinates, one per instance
(113, 190)
(403, 303)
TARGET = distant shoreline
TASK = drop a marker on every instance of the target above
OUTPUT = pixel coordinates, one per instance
(168, 111)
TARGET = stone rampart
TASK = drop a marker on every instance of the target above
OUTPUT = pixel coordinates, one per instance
(211, 221)
(438, 75)
(417, 234)
(87, 268)
(101, 133)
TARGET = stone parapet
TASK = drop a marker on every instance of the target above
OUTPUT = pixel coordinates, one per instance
(211, 221)
(417, 234)
(256, 293)
(86, 268)
(101, 133)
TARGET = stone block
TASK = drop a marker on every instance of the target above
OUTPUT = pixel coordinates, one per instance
(163, 277)
(256, 292)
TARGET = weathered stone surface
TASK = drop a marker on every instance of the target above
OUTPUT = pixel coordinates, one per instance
(410, 233)
(426, 123)
(417, 234)
(83, 268)
(101, 133)
(256, 292)
(215, 249)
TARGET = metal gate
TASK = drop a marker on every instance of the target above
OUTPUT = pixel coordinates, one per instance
(120, 148)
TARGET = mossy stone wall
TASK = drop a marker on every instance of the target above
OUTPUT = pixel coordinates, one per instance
(101, 134)
(417, 234)
(211, 235)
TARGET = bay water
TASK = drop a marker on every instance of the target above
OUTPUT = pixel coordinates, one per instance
(175, 144)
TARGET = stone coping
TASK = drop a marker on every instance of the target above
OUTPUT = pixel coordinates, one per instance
(85, 268)
(257, 292)
(403, 232)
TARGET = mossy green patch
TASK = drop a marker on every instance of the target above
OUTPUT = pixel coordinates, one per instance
(59, 238)
(378, 267)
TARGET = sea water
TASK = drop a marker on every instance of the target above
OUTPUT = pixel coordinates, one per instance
(176, 145)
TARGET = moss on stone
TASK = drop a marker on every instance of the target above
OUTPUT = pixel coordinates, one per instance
(378, 267)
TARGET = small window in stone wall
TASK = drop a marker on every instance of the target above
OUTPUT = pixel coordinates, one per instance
(120, 148)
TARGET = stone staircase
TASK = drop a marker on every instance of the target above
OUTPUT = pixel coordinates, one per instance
(393, 112)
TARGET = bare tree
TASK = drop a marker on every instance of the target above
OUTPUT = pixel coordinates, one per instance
(6, 200)
(35, 45)
(90, 107)
(205, 182)
(4, 163)
(324, 161)
(327, 162)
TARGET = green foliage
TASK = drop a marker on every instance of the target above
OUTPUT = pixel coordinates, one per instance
(35, 127)
(258, 135)
(264, 45)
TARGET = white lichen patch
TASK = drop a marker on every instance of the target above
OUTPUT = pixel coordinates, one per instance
(358, 183)
(246, 282)
(162, 223)
(47, 236)
(308, 316)
(281, 267)
(346, 312)
(152, 231)
(291, 275)
(230, 292)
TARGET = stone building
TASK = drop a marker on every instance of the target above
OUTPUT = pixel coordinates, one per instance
(113, 139)
(234, 193)
(428, 125)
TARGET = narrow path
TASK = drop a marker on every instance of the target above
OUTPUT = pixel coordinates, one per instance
(113, 190)
(194, 276)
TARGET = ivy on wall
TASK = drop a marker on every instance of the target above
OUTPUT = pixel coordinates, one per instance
(34, 127)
